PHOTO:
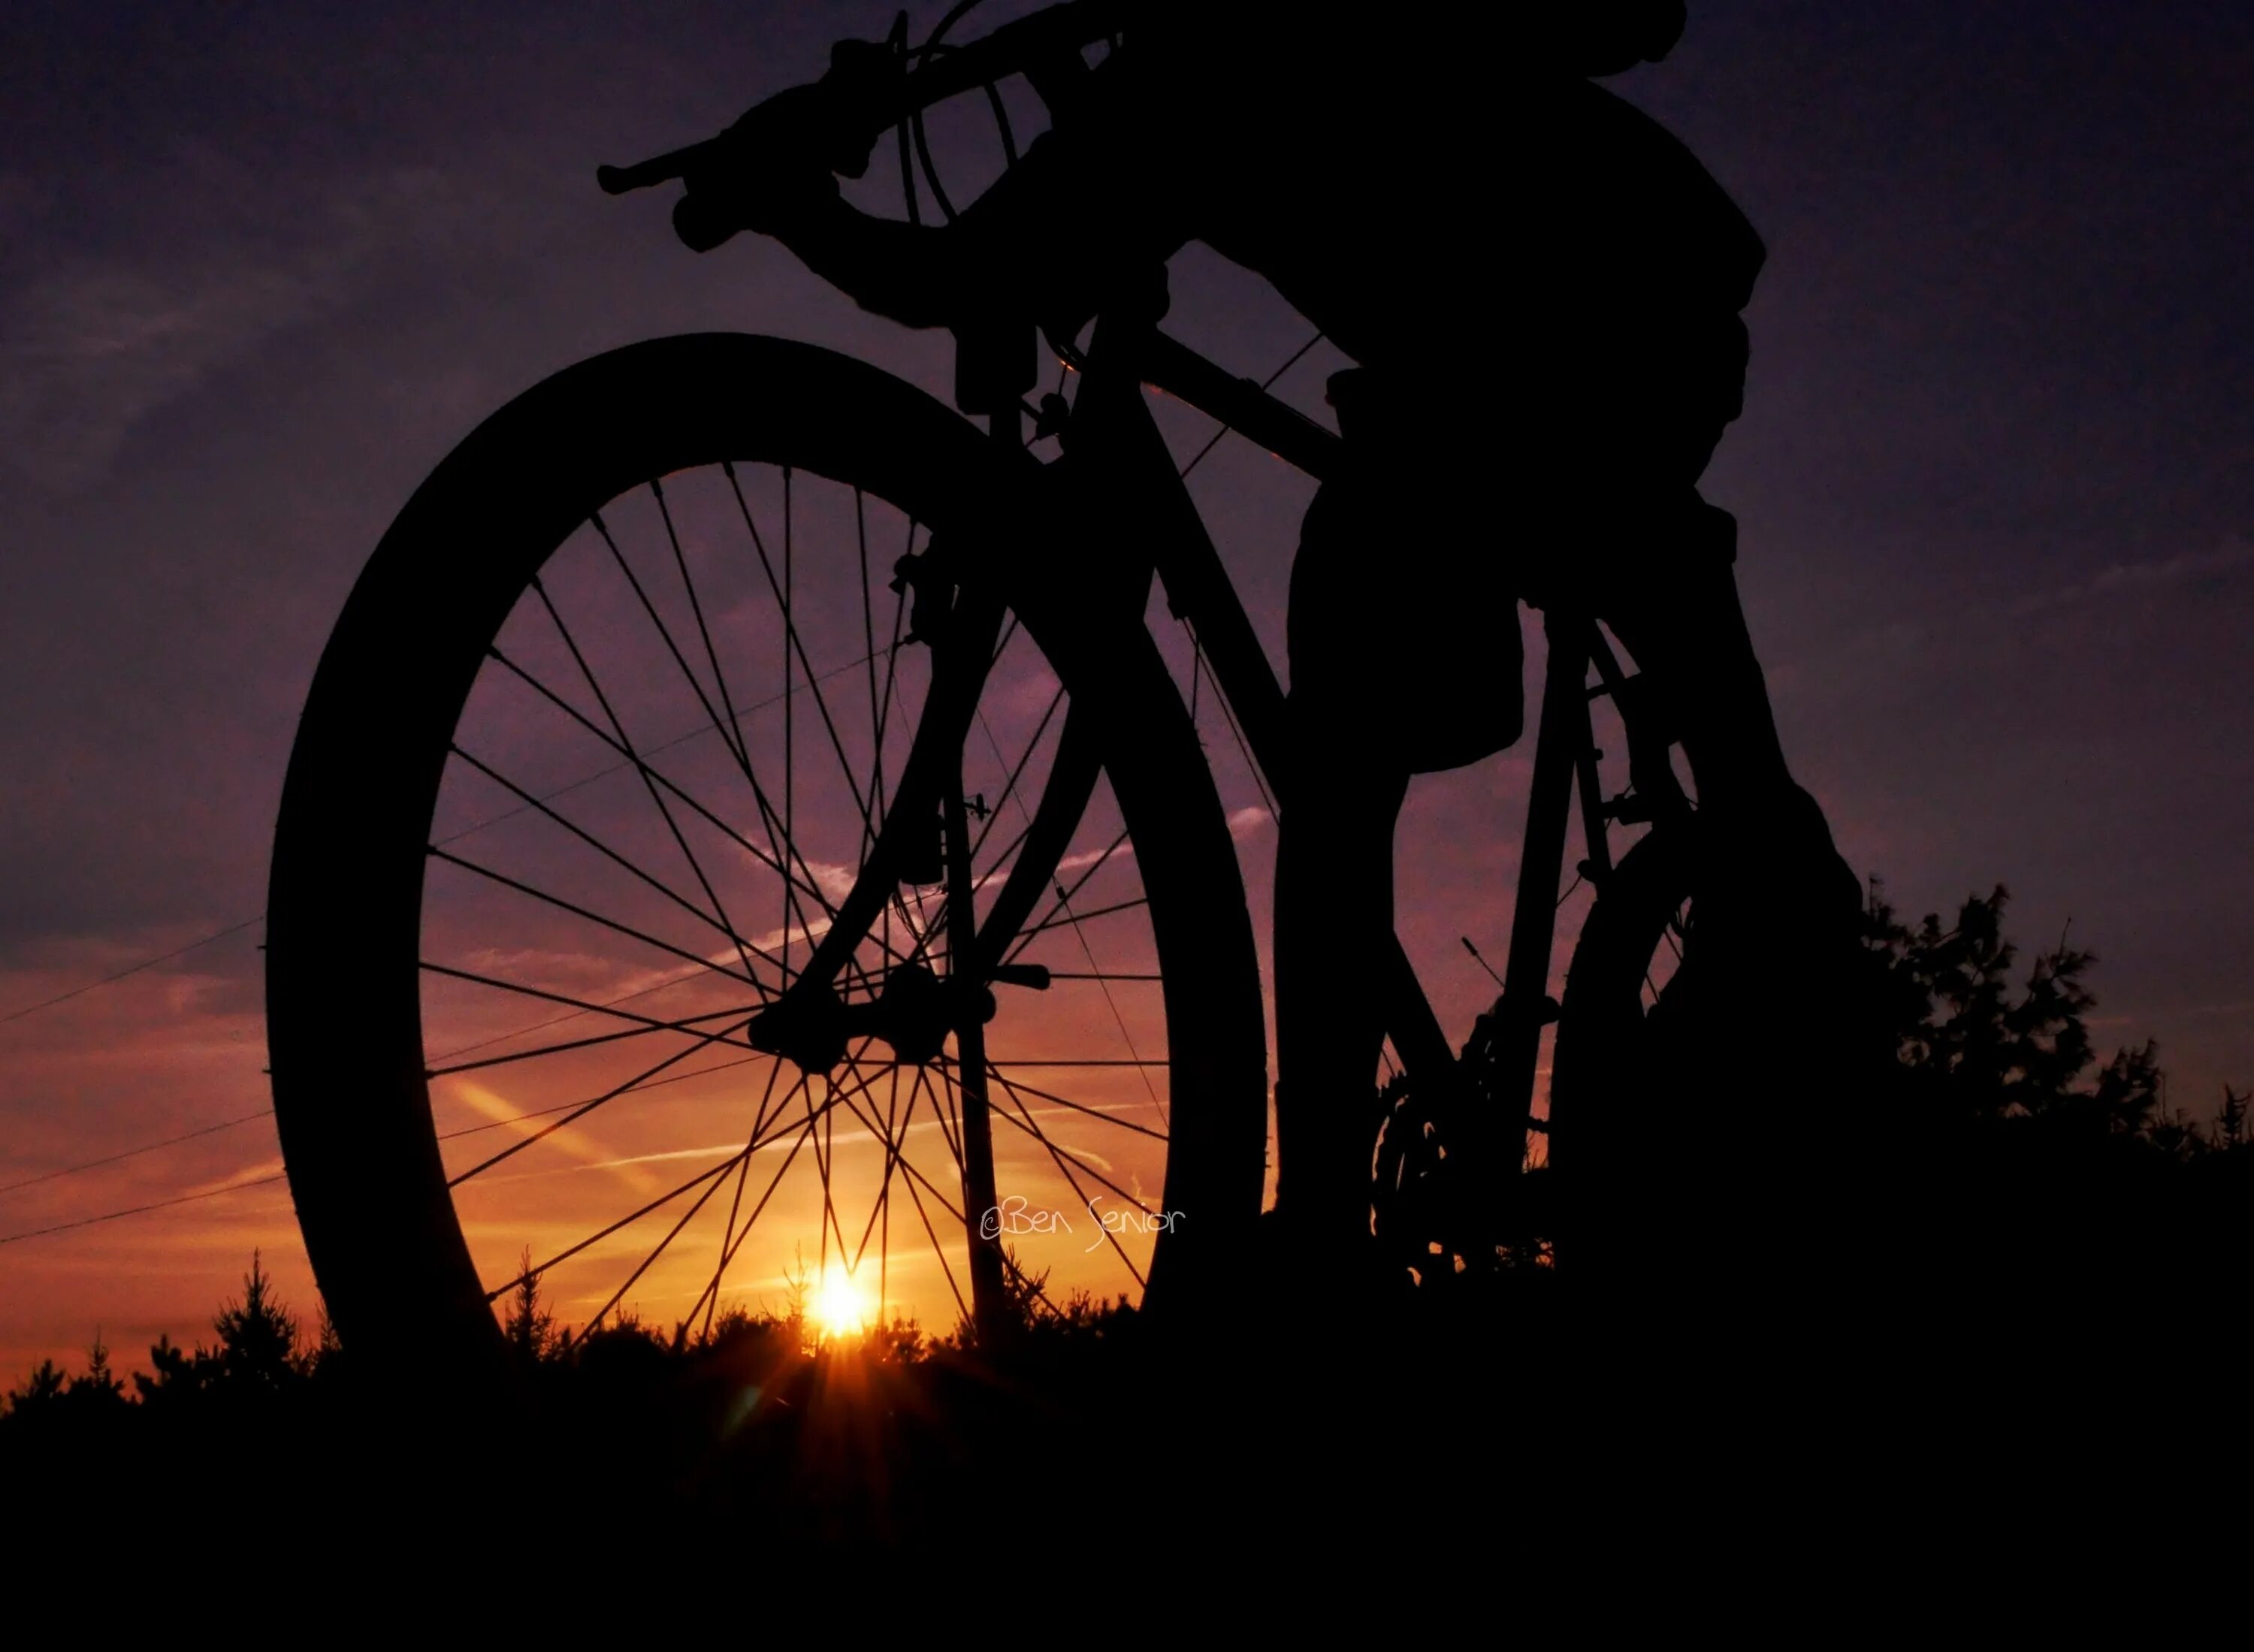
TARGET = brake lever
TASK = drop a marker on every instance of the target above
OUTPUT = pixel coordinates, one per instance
(839, 118)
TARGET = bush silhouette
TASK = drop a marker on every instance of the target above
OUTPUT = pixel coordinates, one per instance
(2023, 1169)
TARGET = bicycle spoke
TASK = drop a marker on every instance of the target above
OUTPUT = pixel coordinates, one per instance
(507, 1120)
(1064, 897)
(844, 1146)
(729, 1256)
(1010, 791)
(711, 1297)
(682, 1025)
(1039, 1061)
(805, 1132)
(875, 811)
(1118, 1020)
(696, 608)
(792, 642)
(937, 1248)
(675, 1231)
(940, 1117)
(1035, 1131)
(627, 1221)
(1054, 922)
(1079, 1193)
(672, 1232)
(586, 1108)
(730, 735)
(578, 911)
(789, 718)
(881, 1207)
(745, 949)
(604, 773)
(805, 885)
(1096, 1113)
(846, 1098)
(627, 746)
(580, 1006)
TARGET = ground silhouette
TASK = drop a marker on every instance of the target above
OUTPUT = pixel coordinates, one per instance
(2057, 1226)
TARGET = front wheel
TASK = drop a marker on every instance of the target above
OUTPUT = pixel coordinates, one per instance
(718, 857)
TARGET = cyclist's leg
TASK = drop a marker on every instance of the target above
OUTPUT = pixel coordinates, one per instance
(1682, 619)
(1405, 657)
(1662, 577)
(1333, 892)
(1334, 914)
(1761, 1026)
(1768, 1016)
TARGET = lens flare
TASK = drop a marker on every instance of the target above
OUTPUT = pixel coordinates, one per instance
(839, 1307)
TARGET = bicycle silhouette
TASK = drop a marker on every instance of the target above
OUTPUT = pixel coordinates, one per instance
(827, 781)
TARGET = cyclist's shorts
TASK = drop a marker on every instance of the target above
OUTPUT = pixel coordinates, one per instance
(1404, 625)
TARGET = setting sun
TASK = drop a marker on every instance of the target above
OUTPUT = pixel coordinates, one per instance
(840, 1307)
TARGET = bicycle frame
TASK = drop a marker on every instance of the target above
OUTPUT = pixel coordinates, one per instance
(1198, 589)
(873, 87)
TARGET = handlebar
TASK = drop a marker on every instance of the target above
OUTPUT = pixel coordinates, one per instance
(659, 169)
(870, 88)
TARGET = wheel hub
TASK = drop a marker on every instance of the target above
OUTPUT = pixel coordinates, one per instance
(810, 1026)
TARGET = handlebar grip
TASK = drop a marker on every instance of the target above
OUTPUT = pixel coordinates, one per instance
(658, 169)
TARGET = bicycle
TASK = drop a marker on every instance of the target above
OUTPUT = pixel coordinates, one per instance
(906, 925)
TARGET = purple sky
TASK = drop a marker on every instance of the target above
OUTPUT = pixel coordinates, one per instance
(260, 267)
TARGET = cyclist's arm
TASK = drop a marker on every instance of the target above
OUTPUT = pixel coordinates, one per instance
(1086, 206)
(914, 275)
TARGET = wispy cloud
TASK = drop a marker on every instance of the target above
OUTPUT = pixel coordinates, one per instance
(2124, 577)
(96, 341)
(571, 1139)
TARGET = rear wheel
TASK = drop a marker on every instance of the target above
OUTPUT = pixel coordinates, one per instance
(1617, 1091)
(717, 855)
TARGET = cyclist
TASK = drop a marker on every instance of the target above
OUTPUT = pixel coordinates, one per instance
(1419, 196)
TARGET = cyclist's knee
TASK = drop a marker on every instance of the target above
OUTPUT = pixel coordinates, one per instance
(1404, 632)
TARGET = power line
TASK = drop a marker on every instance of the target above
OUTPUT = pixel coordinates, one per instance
(145, 963)
(161, 1204)
(263, 1181)
(268, 1112)
(131, 1152)
(546, 797)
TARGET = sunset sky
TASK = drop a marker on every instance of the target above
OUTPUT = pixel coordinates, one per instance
(262, 267)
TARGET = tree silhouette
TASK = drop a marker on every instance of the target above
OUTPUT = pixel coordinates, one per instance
(175, 1373)
(98, 1386)
(2025, 1177)
(529, 1330)
(44, 1388)
(2231, 1127)
(259, 1337)
(1973, 1049)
